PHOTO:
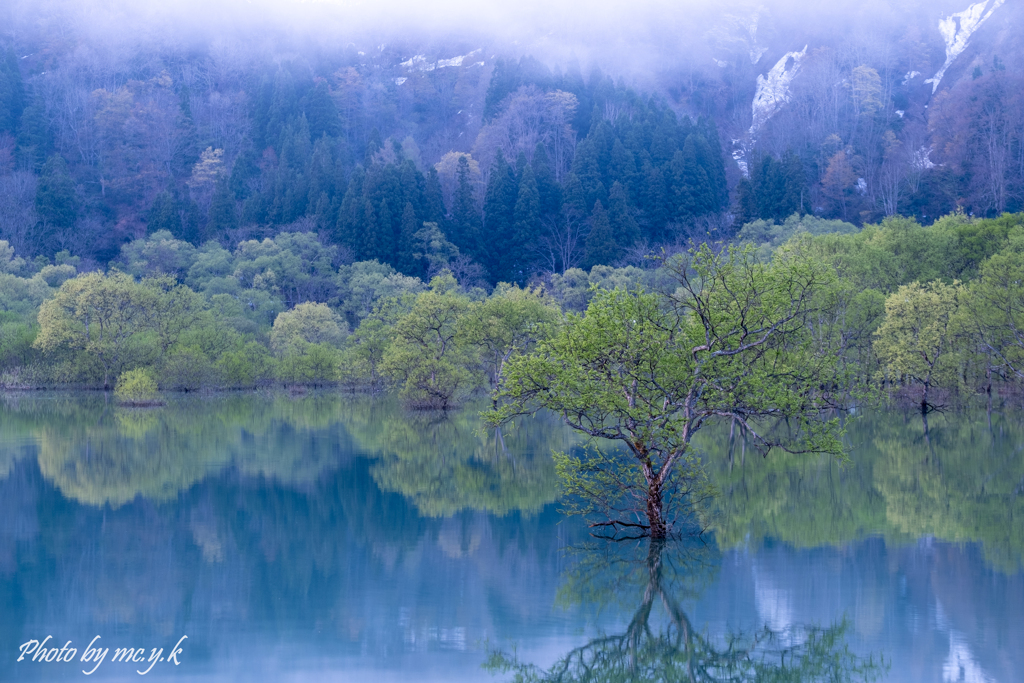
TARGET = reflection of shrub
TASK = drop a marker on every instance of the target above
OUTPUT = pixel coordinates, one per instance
(136, 388)
(187, 369)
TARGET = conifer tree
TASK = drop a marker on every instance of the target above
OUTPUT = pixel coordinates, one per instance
(499, 207)
(625, 231)
(547, 188)
(56, 202)
(622, 168)
(34, 141)
(368, 233)
(466, 229)
(165, 215)
(352, 214)
(526, 229)
(587, 168)
(322, 113)
(406, 257)
(601, 248)
(380, 241)
(574, 206)
(223, 215)
(12, 93)
(433, 200)
(654, 203)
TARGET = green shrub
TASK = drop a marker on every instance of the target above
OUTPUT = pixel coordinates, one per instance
(246, 367)
(188, 369)
(137, 388)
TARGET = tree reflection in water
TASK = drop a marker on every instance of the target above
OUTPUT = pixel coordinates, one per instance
(660, 642)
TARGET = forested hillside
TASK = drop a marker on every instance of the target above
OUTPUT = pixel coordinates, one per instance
(526, 163)
(285, 197)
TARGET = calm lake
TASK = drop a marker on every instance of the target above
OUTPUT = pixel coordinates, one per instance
(327, 538)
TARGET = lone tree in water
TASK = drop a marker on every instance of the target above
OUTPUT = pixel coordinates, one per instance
(738, 340)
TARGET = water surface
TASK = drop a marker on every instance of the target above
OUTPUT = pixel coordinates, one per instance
(335, 538)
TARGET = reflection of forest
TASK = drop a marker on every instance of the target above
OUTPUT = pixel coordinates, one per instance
(237, 554)
(277, 515)
(964, 481)
(100, 454)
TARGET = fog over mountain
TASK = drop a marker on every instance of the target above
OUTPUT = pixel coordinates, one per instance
(849, 110)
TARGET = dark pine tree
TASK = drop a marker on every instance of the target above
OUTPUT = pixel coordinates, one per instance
(601, 248)
(223, 215)
(654, 205)
(466, 231)
(526, 230)
(322, 113)
(406, 258)
(56, 204)
(547, 188)
(34, 140)
(587, 168)
(12, 93)
(625, 230)
(433, 200)
(499, 207)
(380, 242)
(368, 233)
(165, 214)
(348, 230)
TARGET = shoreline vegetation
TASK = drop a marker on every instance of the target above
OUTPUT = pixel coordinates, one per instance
(916, 312)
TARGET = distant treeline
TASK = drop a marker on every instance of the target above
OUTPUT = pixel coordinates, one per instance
(524, 170)
(914, 309)
(562, 174)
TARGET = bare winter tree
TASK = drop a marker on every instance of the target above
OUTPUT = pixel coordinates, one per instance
(17, 209)
(530, 116)
(561, 246)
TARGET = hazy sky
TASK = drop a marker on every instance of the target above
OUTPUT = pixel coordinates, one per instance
(635, 36)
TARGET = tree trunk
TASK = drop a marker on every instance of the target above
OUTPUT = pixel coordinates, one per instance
(655, 512)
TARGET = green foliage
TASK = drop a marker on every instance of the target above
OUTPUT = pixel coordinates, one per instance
(996, 305)
(158, 254)
(105, 316)
(507, 324)
(500, 472)
(918, 339)
(136, 387)
(770, 234)
(315, 364)
(187, 369)
(426, 359)
(307, 324)
(649, 371)
(246, 367)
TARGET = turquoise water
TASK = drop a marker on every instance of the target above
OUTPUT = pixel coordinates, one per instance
(324, 538)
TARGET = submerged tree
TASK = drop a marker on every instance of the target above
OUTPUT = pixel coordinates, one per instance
(736, 341)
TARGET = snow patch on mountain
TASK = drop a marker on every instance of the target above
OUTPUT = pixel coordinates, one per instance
(957, 30)
(773, 89)
(911, 75)
(756, 51)
(740, 157)
(420, 63)
(922, 158)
